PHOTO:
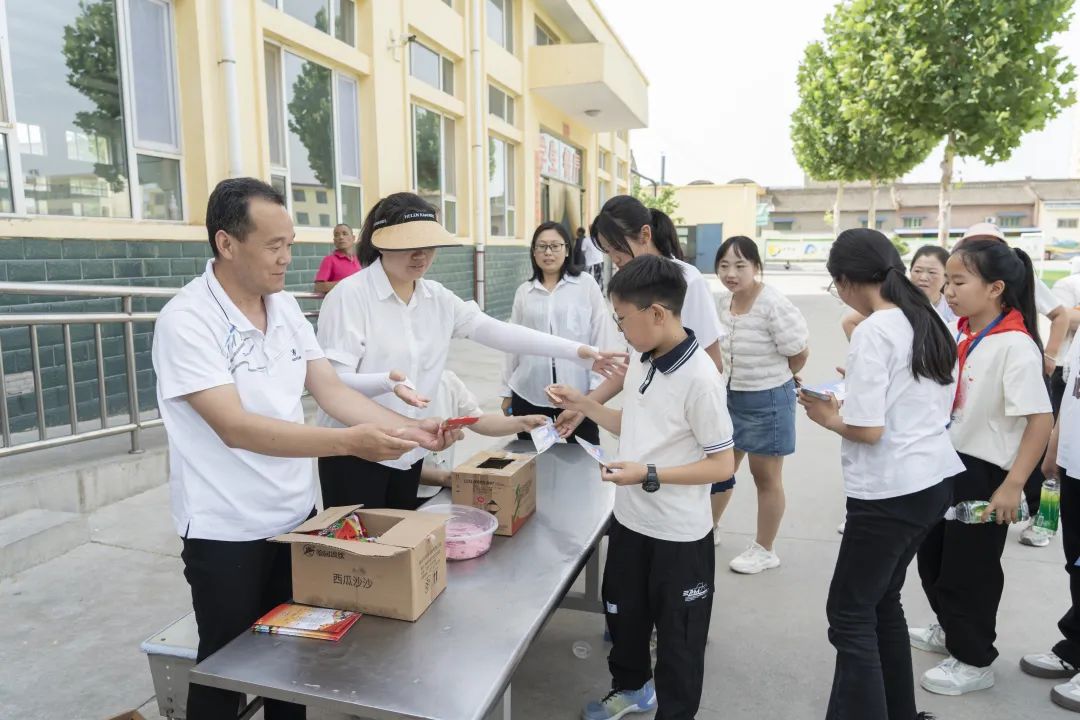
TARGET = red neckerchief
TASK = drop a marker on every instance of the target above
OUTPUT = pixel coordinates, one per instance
(1012, 321)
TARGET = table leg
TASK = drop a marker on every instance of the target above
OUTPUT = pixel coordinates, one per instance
(501, 711)
(590, 600)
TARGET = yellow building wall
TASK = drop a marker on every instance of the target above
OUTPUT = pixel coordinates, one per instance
(733, 205)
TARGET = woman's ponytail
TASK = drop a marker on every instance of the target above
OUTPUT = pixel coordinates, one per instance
(994, 261)
(664, 235)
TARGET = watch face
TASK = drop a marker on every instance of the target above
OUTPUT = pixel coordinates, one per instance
(650, 485)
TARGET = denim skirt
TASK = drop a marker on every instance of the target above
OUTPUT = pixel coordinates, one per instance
(764, 420)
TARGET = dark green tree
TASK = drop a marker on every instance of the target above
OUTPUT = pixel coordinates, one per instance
(311, 115)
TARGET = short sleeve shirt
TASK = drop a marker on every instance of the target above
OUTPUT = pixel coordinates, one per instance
(202, 341)
(453, 399)
(336, 267)
(699, 307)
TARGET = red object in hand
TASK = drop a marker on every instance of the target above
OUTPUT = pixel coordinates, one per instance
(458, 422)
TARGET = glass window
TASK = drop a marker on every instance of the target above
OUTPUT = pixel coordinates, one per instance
(320, 197)
(315, 13)
(278, 182)
(351, 206)
(434, 162)
(298, 195)
(66, 77)
(545, 36)
(302, 218)
(604, 160)
(501, 187)
(348, 123)
(155, 108)
(427, 65)
(274, 107)
(783, 224)
(345, 21)
(324, 220)
(500, 104)
(913, 222)
(1010, 221)
(7, 200)
(603, 193)
(309, 104)
(621, 170)
(159, 182)
(1068, 223)
(500, 23)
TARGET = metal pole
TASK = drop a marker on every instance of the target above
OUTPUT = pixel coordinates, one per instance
(479, 159)
(132, 382)
(5, 428)
(39, 397)
(103, 408)
(73, 410)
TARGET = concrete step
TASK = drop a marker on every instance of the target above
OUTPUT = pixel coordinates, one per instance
(35, 536)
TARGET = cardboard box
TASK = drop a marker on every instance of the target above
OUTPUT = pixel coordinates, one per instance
(396, 576)
(502, 483)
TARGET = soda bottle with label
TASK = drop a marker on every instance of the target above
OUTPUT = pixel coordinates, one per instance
(1049, 515)
(973, 512)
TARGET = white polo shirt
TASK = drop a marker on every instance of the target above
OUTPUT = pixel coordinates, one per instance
(453, 399)
(201, 341)
(1001, 385)
(365, 327)
(914, 451)
(674, 413)
(574, 310)
(1068, 457)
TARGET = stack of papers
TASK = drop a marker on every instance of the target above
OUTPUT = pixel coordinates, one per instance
(306, 621)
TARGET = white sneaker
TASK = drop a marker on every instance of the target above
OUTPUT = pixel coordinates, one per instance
(754, 560)
(1047, 665)
(928, 639)
(840, 528)
(716, 535)
(1033, 537)
(1067, 695)
(953, 677)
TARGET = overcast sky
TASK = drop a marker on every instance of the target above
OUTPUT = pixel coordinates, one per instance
(722, 90)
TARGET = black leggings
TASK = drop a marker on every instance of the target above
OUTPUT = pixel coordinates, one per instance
(348, 480)
(587, 430)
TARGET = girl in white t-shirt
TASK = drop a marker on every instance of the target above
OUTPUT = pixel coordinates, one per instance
(897, 461)
(1000, 425)
(625, 229)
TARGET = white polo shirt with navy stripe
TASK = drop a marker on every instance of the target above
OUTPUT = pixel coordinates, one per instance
(674, 413)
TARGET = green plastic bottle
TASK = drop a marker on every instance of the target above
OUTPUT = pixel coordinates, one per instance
(1049, 515)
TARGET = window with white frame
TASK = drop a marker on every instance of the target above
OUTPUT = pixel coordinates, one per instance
(1011, 221)
(323, 15)
(500, 23)
(501, 187)
(604, 192)
(434, 167)
(912, 222)
(431, 67)
(90, 92)
(500, 104)
(604, 161)
(313, 138)
(1068, 223)
(545, 36)
(620, 170)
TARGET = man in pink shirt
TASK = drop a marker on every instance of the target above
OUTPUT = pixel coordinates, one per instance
(339, 264)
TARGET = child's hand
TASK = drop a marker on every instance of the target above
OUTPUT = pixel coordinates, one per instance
(405, 392)
(606, 363)
(505, 405)
(526, 423)
(821, 412)
(565, 397)
(624, 473)
(1005, 504)
(428, 433)
(568, 422)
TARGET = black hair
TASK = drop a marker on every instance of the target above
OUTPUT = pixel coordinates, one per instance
(343, 224)
(391, 208)
(580, 232)
(647, 280)
(568, 266)
(227, 208)
(623, 217)
(864, 256)
(993, 260)
(935, 251)
(744, 248)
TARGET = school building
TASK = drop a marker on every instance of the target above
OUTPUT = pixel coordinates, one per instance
(118, 117)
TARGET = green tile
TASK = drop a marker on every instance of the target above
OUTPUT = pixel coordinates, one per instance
(43, 249)
(169, 249)
(3, 271)
(156, 268)
(196, 250)
(131, 269)
(185, 267)
(26, 270)
(11, 249)
(63, 270)
(111, 249)
(98, 269)
(142, 249)
(79, 249)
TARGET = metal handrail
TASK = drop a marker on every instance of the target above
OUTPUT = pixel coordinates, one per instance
(128, 318)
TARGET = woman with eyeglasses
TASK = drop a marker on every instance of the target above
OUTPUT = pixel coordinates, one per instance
(561, 300)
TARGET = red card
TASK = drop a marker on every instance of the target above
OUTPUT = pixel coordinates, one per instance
(458, 422)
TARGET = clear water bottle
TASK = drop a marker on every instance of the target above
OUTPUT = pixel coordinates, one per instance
(1049, 515)
(973, 512)
(582, 650)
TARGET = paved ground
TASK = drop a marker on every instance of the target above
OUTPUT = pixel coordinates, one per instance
(69, 643)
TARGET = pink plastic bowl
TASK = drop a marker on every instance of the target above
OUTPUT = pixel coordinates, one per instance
(468, 530)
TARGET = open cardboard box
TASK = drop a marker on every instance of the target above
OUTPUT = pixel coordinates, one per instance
(498, 482)
(396, 576)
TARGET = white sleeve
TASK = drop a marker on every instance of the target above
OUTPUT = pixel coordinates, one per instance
(707, 414)
(1066, 293)
(699, 312)
(1045, 300)
(788, 328)
(187, 356)
(370, 384)
(499, 335)
(1022, 382)
(603, 333)
(341, 333)
(866, 381)
(465, 402)
(511, 363)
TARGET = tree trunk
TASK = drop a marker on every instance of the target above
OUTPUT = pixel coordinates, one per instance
(836, 209)
(871, 213)
(945, 192)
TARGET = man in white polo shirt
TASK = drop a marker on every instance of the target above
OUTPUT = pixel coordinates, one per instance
(233, 354)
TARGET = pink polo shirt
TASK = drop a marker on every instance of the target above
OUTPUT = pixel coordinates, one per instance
(337, 266)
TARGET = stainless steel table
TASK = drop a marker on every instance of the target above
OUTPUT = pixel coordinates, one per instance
(456, 661)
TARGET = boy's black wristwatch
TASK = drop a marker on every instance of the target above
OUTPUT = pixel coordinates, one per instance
(652, 480)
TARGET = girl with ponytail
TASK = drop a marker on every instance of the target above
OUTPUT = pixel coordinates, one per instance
(625, 229)
(1001, 420)
(897, 461)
